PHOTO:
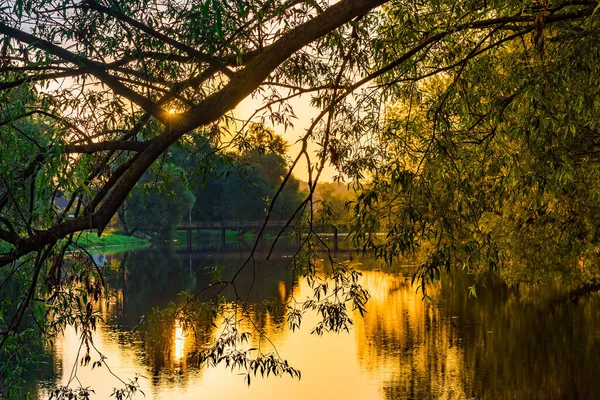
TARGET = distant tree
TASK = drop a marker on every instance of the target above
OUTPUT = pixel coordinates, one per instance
(243, 191)
(338, 198)
(260, 139)
(156, 207)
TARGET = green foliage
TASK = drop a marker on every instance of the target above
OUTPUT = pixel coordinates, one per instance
(5, 246)
(17, 362)
(260, 140)
(242, 189)
(158, 205)
(334, 199)
(73, 295)
(489, 162)
(469, 130)
(235, 186)
(139, 85)
(91, 241)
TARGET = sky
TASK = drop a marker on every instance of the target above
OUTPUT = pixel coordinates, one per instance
(305, 115)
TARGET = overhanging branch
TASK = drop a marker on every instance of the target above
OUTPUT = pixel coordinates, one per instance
(195, 54)
(89, 66)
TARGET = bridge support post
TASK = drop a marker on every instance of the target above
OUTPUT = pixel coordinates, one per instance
(189, 240)
(223, 238)
(335, 238)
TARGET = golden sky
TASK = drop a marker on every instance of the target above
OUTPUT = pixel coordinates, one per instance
(305, 115)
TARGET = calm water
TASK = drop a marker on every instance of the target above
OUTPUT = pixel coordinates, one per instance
(517, 343)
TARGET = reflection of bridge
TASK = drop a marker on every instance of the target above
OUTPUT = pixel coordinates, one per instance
(243, 226)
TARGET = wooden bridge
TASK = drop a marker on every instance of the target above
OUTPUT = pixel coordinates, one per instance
(244, 226)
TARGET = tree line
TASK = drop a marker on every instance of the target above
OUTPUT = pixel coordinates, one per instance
(239, 188)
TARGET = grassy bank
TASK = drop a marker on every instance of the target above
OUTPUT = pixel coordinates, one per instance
(109, 239)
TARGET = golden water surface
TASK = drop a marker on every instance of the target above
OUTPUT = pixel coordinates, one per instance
(508, 343)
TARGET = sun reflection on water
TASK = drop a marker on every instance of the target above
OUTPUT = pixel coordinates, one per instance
(179, 341)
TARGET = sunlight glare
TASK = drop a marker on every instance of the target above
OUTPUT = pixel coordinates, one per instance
(179, 341)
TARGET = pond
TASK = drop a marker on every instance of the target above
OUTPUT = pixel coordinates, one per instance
(517, 342)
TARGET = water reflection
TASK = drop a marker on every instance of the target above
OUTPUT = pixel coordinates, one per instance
(410, 344)
(508, 343)
(179, 341)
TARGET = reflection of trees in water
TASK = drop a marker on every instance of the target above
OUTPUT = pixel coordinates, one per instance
(505, 344)
(149, 279)
(404, 340)
(534, 349)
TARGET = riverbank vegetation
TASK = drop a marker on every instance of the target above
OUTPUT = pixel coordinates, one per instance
(111, 239)
(92, 242)
(239, 188)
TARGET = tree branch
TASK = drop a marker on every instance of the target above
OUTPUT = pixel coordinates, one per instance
(91, 67)
(197, 55)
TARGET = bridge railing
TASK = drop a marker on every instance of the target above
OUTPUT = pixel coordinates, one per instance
(229, 224)
(232, 225)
